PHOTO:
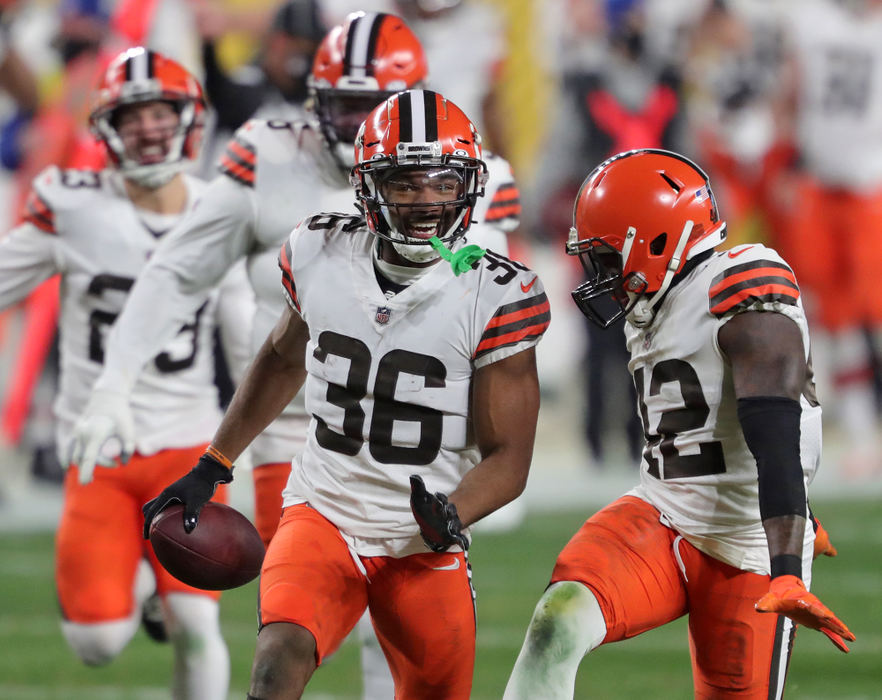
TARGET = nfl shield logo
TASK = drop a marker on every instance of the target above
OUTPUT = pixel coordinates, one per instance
(383, 314)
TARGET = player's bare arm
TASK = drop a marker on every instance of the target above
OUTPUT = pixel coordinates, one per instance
(505, 406)
(269, 384)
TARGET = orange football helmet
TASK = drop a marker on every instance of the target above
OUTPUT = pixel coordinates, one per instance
(358, 64)
(140, 75)
(638, 218)
(418, 132)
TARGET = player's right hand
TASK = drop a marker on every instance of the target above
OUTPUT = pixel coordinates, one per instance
(107, 416)
(194, 490)
(788, 596)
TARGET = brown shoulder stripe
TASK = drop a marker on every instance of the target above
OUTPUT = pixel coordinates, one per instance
(239, 161)
(288, 285)
(743, 285)
(505, 203)
(39, 213)
(515, 323)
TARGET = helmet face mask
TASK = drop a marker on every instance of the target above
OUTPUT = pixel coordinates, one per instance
(638, 218)
(418, 173)
(358, 65)
(139, 78)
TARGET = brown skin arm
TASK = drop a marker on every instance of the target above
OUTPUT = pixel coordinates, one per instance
(505, 408)
(274, 377)
(767, 357)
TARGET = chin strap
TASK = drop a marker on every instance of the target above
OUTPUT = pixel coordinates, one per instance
(460, 261)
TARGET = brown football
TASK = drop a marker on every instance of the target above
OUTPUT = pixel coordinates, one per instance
(223, 551)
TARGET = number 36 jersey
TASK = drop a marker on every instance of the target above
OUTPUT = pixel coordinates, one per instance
(388, 380)
(696, 467)
(82, 225)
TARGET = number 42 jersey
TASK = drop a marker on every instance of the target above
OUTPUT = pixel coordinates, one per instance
(696, 468)
(388, 380)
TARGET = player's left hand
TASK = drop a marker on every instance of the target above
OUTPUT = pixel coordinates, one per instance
(823, 545)
(438, 520)
(107, 416)
(788, 596)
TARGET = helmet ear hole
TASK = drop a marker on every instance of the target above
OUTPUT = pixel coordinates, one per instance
(657, 246)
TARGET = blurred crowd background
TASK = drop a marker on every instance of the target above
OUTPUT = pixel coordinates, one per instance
(779, 100)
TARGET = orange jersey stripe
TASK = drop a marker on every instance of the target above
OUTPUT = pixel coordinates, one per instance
(38, 213)
(236, 171)
(514, 323)
(241, 154)
(502, 319)
(499, 211)
(768, 292)
(729, 280)
(288, 285)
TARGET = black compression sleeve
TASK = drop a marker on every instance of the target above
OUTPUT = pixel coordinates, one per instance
(771, 429)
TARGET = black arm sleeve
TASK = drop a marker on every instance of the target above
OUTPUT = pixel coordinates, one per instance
(771, 430)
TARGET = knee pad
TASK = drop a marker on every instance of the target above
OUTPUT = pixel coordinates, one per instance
(99, 643)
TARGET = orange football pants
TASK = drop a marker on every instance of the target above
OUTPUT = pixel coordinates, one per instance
(835, 247)
(422, 606)
(100, 542)
(269, 482)
(645, 575)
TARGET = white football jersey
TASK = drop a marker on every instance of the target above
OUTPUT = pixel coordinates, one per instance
(275, 174)
(388, 380)
(83, 226)
(839, 112)
(696, 467)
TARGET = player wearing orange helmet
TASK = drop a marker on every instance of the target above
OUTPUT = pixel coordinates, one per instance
(97, 229)
(275, 173)
(719, 527)
(414, 434)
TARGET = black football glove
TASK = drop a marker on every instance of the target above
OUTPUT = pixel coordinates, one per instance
(194, 490)
(438, 520)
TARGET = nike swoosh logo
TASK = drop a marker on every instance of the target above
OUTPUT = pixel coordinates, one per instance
(450, 567)
(735, 254)
(527, 287)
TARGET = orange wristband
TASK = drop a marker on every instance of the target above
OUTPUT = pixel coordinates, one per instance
(212, 451)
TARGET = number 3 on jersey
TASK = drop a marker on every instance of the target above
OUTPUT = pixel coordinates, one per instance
(387, 409)
(674, 422)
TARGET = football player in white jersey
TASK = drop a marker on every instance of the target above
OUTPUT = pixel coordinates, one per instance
(834, 101)
(97, 230)
(273, 174)
(418, 353)
(719, 527)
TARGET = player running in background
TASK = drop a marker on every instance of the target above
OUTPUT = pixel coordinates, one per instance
(97, 230)
(418, 353)
(719, 527)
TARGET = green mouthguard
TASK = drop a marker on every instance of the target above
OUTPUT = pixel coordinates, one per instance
(460, 261)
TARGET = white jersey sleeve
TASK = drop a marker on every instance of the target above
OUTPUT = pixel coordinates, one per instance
(498, 212)
(27, 258)
(191, 261)
(389, 379)
(696, 466)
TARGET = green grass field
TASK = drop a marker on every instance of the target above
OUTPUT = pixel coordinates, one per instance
(510, 571)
